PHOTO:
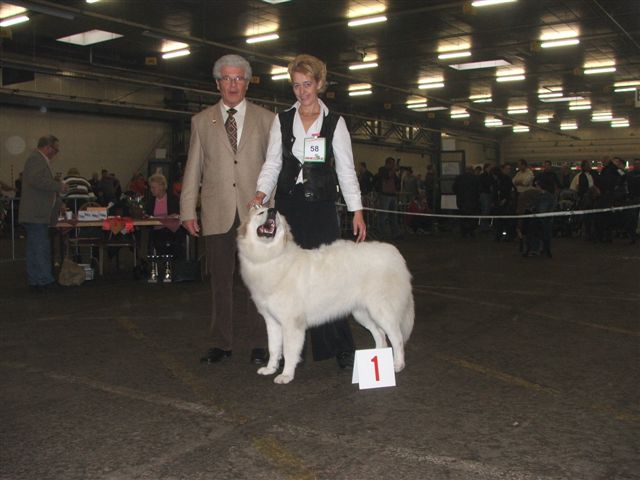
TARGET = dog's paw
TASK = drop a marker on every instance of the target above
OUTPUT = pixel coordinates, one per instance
(282, 379)
(267, 370)
(398, 367)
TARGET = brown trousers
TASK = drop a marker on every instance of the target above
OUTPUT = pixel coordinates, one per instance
(221, 262)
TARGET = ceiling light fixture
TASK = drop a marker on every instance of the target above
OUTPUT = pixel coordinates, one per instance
(601, 117)
(550, 95)
(448, 55)
(561, 99)
(357, 22)
(480, 65)
(580, 106)
(360, 92)
(263, 38)
(426, 86)
(459, 114)
(487, 3)
(176, 53)
(413, 106)
(517, 110)
(510, 78)
(15, 20)
(359, 86)
(92, 1)
(90, 37)
(435, 109)
(280, 76)
(627, 83)
(560, 43)
(362, 66)
(543, 118)
(520, 129)
(569, 126)
(594, 71)
(481, 98)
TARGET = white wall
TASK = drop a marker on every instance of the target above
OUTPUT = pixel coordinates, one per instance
(593, 144)
(87, 142)
(374, 156)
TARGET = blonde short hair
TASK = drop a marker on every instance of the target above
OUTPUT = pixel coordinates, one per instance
(310, 65)
(159, 179)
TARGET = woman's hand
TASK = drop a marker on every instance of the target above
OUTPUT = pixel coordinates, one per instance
(359, 227)
(257, 201)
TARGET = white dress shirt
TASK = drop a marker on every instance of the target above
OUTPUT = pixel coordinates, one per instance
(241, 109)
(343, 154)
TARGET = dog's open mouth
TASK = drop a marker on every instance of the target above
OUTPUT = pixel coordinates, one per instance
(268, 228)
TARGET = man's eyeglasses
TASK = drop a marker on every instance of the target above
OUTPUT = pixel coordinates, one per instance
(228, 79)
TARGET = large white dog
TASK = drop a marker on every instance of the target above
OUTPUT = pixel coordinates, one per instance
(295, 289)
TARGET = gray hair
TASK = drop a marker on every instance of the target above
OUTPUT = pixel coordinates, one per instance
(231, 60)
(46, 141)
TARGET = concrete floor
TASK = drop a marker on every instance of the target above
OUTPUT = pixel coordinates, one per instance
(516, 369)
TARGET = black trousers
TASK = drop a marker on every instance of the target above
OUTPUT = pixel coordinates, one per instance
(314, 224)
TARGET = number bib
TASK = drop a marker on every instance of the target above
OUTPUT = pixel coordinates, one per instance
(314, 149)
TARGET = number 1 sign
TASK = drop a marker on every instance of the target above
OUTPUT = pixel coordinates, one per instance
(373, 368)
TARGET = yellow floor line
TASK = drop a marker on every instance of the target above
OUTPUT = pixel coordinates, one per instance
(504, 377)
(623, 331)
(284, 460)
(268, 446)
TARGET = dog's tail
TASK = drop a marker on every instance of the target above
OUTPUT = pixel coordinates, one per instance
(406, 322)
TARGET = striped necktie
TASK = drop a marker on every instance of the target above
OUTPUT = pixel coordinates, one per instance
(232, 129)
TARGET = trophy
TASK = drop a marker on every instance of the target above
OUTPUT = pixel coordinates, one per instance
(167, 269)
(153, 275)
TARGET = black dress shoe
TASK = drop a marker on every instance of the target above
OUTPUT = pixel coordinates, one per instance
(214, 355)
(345, 359)
(259, 356)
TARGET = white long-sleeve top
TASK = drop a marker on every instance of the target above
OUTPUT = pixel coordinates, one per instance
(343, 154)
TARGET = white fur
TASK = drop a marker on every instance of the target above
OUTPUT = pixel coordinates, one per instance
(295, 289)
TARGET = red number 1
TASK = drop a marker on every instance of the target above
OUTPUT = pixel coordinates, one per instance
(375, 363)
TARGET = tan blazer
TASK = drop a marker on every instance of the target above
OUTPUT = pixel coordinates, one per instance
(228, 180)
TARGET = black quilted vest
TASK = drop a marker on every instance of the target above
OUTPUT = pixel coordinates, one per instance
(319, 179)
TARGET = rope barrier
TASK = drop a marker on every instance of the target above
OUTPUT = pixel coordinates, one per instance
(563, 213)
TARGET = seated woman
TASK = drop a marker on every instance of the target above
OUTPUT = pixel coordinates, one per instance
(161, 204)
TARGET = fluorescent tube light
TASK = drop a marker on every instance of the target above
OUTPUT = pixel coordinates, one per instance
(560, 43)
(425, 86)
(510, 78)
(445, 56)
(413, 106)
(435, 109)
(568, 126)
(367, 21)
(480, 65)
(627, 83)
(92, 1)
(15, 20)
(176, 53)
(280, 76)
(601, 118)
(619, 125)
(520, 129)
(360, 92)
(593, 71)
(516, 111)
(459, 114)
(263, 38)
(481, 98)
(361, 66)
(550, 95)
(359, 86)
(561, 99)
(624, 89)
(586, 106)
(487, 3)
(542, 119)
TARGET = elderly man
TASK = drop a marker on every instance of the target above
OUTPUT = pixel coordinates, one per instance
(227, 149)
(39, 206)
